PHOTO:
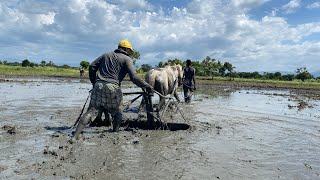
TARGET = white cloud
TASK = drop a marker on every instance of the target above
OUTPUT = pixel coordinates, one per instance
(68, 31)
(47, 19)
(137, 5)
(291, 6)
(314, 5)
(248, 3)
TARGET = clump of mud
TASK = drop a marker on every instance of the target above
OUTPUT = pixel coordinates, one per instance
(10, 129)
(3, 168)
(301, 104)
(50, 152)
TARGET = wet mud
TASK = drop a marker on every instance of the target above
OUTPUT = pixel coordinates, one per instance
(229, 133)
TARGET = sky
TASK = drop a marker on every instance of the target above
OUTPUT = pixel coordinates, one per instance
(253, 35)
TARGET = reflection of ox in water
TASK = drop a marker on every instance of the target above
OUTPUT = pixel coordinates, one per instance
(166, 81)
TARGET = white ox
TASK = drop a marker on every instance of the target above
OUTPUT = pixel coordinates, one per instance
(166, 81)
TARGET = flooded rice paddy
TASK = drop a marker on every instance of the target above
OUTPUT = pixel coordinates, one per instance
(235, 134)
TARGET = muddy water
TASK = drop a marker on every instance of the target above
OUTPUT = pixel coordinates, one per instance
(244, 134)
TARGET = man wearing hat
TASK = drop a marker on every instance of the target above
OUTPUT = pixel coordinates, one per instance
(106, 74)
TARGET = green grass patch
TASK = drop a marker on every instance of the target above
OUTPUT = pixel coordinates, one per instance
(38, 71)
(70, 72)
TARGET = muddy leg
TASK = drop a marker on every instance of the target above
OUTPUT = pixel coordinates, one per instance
(142, 105)
(186, 93)
(117, 119)
(98, 120)
(107, 119)
(161, 103)
(84, 120)
(176, 96)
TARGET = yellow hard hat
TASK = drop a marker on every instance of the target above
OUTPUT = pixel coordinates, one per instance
(126, 44)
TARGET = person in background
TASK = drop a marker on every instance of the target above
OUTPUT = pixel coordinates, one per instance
(106, 74)
(189, 82)
(81, 72)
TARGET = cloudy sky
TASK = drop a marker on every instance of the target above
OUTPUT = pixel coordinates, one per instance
(253, 35)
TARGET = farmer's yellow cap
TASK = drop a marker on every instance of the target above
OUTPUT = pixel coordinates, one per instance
(126, 44)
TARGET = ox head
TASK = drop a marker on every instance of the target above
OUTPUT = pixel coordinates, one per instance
(179, 73)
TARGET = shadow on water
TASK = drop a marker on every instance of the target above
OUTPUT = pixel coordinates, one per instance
(157, 126)
(129, 125)
(57, 129)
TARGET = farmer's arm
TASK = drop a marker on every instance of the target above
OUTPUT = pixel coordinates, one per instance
(134, 76)
(93, 68)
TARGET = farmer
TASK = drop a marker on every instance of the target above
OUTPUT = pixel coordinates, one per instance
(106, 74)
(188, 78)
(81, 72)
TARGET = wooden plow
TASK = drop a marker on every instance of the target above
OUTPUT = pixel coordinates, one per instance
(155, 116)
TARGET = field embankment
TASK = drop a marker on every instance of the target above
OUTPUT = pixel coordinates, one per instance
(10, 71)
(258, 83)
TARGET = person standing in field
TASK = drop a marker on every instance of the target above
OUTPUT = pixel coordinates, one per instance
(81, 72)
(189, 82)
(106, 74)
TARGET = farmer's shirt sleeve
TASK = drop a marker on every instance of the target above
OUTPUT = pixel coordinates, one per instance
(134, 76)
(93, 68)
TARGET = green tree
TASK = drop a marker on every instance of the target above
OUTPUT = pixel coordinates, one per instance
(51, 64)
(160, 64)
(277, 75)
(303, 74)
(269, 75)
(146, 67)
(209, 66)
(85, 64)
(43, 63)
(174, 61)
(288, 77)
(25, 63)
(135, 56)
(228, 66)
(65, 66)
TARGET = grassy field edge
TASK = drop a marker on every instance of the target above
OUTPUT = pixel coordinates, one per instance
(18, 71)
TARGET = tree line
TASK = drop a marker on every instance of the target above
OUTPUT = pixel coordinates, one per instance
(27, 63)
(208, 67)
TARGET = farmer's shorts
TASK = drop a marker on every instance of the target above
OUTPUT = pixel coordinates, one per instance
(106, 96)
